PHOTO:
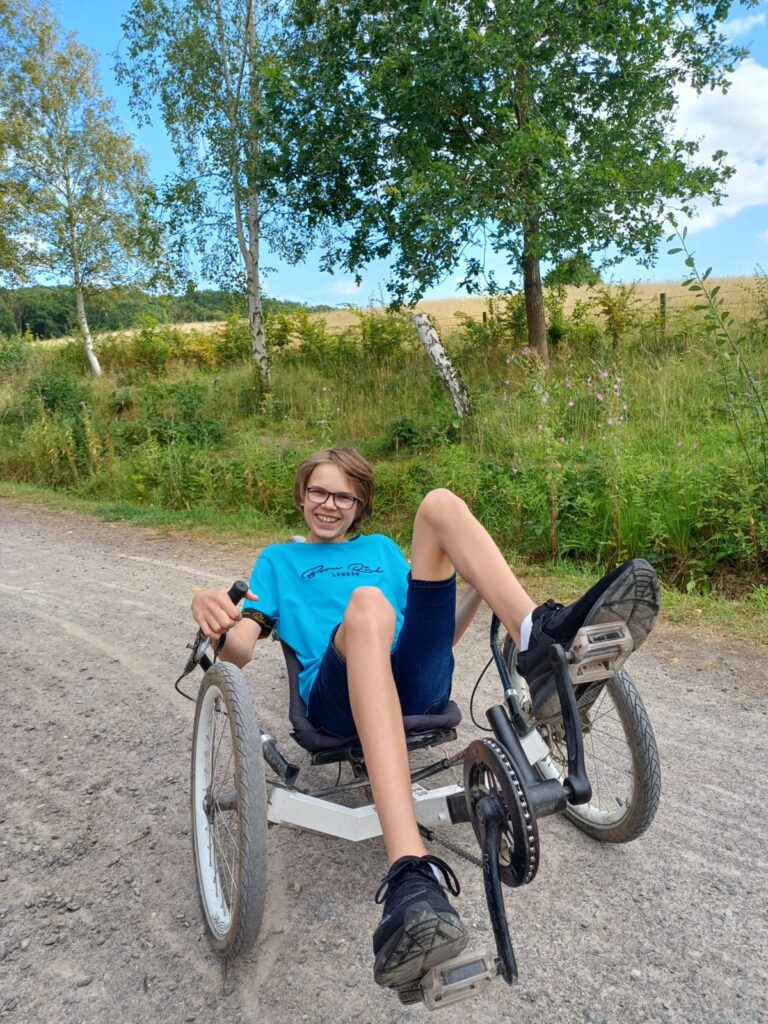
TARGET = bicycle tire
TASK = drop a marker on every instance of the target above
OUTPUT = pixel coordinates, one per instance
(620, 753)
(229, 811)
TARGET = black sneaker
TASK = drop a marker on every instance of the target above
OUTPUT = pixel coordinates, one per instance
(630, 594)
(419, 928)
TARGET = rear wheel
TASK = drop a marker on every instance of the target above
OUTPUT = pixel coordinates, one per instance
(229, 810)
(620, 756)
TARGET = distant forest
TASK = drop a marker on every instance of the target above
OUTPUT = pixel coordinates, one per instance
(49, 311)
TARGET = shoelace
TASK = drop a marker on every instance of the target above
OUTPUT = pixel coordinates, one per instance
(421, 866)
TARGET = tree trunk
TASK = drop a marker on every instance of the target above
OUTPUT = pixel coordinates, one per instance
(84, 328)
(446, 371)
(253, 280)
(534, 296)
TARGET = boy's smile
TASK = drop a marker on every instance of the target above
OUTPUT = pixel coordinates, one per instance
(326, 522)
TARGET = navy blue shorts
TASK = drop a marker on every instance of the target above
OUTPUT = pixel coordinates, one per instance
(422, 661)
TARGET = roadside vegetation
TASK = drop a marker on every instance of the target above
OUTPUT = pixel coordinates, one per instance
(648, 443)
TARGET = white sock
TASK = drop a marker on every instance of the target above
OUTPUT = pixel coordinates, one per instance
(525, 632)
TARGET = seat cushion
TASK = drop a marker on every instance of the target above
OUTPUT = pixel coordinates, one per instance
(316, 740)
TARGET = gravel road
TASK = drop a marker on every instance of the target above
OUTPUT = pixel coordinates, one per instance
(99, 919)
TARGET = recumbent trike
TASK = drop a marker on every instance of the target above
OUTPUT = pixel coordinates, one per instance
(528, 769)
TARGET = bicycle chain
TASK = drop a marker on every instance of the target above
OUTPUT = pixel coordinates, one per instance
(527, 813)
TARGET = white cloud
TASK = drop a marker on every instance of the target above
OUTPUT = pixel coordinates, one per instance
(347, 287)
(738, 123)
(743, 26)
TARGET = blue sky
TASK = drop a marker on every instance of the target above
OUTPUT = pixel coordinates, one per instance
(732, 238)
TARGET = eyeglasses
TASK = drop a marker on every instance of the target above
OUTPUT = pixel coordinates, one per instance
(319, 496)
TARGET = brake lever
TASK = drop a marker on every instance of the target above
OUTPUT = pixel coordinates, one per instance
(202, 643)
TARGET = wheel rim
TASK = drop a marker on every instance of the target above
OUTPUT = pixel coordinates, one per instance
(216, 822)
(607, 757)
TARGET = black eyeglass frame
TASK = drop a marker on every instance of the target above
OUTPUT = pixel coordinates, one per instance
(332, 494)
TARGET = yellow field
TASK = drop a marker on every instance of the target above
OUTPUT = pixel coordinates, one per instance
(738, 293)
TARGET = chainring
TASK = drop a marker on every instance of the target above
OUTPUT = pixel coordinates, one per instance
(488, 771)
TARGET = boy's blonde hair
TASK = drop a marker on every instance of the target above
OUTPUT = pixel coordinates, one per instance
(352, 464)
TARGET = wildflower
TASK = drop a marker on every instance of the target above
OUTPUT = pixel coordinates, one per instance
(621, 419)
(508, 360)
(571, 403)
(527, 351)
(624, 407)
(599, 396)
(616, 390)
(604, 374)
(539, 426)
(561, 440)
(507, 383)
(695, 444)
(609, 421)
(589, 382)
(679, 444)
(544, 399)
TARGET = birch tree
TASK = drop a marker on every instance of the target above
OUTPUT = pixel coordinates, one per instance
(83, 196)
(201, 65)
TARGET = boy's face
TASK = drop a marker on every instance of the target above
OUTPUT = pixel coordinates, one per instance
(326, 522)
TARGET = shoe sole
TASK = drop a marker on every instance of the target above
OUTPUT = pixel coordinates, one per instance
(633, 599)
(427, 938)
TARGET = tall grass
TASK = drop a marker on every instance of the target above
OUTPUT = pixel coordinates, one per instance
(614, 453)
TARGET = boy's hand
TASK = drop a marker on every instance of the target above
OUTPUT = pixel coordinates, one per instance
(214, 613)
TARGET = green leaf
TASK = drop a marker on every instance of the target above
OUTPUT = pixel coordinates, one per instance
(674, 252)
(706, 273)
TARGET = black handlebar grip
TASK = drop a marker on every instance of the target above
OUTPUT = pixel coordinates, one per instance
(237, 591)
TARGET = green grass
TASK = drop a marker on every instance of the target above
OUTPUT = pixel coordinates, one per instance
(608, 456)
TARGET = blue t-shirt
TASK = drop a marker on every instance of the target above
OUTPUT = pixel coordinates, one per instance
(304, 590)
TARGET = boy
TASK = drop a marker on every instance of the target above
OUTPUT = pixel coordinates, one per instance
(374, 635)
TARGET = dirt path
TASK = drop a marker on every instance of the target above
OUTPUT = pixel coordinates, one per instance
(98, 912)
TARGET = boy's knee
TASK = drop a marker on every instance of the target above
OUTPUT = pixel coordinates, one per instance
(368, 608)
(440, 503)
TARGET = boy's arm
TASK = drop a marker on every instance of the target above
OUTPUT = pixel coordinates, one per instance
(215, 614)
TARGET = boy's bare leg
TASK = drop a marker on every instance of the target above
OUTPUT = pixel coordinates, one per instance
(446, 536)
(364, 640)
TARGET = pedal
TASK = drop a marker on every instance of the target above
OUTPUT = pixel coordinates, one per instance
(598, 651)
(457, 979)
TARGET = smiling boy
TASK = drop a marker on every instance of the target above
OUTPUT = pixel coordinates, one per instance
(374, 638)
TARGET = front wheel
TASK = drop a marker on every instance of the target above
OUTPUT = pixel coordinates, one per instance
(620, 756)
(229, 810)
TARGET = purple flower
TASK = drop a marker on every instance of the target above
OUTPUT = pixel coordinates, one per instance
(599, 396)
(603, 373)
(527, 351)
(609, 421)
(589, 382)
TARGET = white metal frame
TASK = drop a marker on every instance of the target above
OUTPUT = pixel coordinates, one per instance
(291, 807)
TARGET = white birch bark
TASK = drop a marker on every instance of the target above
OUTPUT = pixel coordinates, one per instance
(446, 371)
(85, 330)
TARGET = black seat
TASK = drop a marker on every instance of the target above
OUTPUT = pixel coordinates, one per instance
(420, 730)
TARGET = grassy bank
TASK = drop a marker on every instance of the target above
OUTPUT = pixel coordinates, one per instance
(648, 443)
